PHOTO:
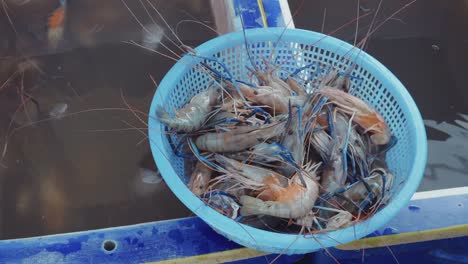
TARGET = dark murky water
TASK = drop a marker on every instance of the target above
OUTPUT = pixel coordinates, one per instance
(426, 47)
(61, 175)
(70, 173)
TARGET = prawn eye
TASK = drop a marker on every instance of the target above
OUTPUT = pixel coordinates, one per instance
(290, 132)
(255, 92)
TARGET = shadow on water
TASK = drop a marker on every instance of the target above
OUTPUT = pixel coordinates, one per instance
(426, 47)
(62, 175)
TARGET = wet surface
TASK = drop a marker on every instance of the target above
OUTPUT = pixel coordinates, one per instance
(67, 165)
(81, 168)
(426, 47)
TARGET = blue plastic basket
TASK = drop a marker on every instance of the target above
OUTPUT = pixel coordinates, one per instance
(374, 83)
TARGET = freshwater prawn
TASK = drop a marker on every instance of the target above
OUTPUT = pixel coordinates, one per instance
(294, 200)
(276, 102)
(365, 116)
(193, 115)
(268, 78)
(251, 173)
(200, 178)
(334, 174)
(238, 138)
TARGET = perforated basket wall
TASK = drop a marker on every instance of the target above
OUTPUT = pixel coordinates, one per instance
(374, 84)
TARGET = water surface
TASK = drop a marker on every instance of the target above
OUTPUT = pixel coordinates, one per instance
(73, 172)
(426, 47)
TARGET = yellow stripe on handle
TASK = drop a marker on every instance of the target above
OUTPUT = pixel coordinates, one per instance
(217, 257)
(262, 13)
(407, 238)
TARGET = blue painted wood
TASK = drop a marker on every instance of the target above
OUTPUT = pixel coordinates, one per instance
(438, 251)
(249, 12)
(191, 236)
(428, 214)
(274, 14)
(283, 259)
(134, 244)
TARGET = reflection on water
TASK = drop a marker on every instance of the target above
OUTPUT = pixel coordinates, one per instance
(426, 47)
(66, 163)
(62, 175)
(447, 157)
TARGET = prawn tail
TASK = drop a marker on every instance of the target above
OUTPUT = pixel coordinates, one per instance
(162, 114)
(381, 138)
(164, 117)
(251, 206)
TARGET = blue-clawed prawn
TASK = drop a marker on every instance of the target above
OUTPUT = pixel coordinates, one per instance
(238, 138)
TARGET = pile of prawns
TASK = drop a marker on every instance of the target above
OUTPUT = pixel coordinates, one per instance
(272, 150)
